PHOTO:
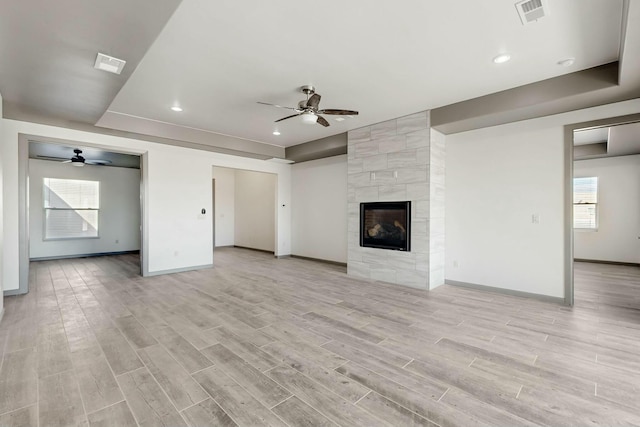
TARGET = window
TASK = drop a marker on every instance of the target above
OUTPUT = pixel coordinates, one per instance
(71, 208)
(585, 203)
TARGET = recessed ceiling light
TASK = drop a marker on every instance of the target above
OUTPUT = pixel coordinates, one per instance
(502, 58)
(176, 108)
(275, 132)
(109, 63)
(568, 62)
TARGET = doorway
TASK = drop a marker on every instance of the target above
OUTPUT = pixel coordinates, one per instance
(602, 209)
(94, 230)
(245, 209)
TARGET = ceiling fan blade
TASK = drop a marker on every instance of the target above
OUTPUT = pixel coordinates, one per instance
(51, 158)
(314, 101)
(98, 162)
(276, 105)
(339, 112)
(288, 117)
(323, 121)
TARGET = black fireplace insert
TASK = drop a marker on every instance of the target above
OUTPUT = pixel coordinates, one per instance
(386, 225)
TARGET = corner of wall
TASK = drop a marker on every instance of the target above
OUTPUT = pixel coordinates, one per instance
(436, 209)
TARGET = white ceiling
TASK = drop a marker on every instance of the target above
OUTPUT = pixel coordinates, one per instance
(590, 136)
(624, 140)
(216, 59)
(619, 140)
(48, 49)
(385, 59)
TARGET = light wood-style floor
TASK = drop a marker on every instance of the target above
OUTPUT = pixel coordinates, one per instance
(258, 341)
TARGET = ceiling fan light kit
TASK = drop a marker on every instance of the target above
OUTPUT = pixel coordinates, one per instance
(308, 108)
(309, 118)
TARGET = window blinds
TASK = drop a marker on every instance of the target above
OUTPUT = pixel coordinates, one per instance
(71, 208)
(585, 202)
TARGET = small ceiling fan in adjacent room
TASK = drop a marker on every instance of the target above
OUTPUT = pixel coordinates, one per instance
(308, 108)
(78, 159)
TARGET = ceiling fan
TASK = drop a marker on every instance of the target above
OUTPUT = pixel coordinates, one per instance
(308, 108)
(77, 159)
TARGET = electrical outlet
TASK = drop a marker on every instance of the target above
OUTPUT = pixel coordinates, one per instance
(455, 264)
(117, 241)
(535, 218)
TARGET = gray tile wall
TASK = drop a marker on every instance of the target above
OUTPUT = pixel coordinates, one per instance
(396, 161)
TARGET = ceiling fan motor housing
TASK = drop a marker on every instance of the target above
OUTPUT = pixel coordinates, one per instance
(77, 160)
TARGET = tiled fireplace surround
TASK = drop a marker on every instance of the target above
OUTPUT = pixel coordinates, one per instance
(398, 160)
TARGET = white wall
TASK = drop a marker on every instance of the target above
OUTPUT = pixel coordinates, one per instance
(496, 178)
(617, 237)
(119, 215)
(255, 210)
(225, 205)
(177, 187)
(319, 211)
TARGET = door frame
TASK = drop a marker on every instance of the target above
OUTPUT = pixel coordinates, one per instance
(213, 212)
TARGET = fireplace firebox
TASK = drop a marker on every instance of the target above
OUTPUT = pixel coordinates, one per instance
(386, 225)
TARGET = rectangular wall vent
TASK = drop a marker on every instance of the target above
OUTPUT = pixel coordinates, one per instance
(532, 10)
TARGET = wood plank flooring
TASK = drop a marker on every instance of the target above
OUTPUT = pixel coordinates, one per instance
(257, 341)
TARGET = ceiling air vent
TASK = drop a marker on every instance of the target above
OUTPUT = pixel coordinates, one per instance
(531, 10)
(109, 63)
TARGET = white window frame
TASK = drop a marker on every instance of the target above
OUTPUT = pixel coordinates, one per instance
(595, 205)
(81, 208)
